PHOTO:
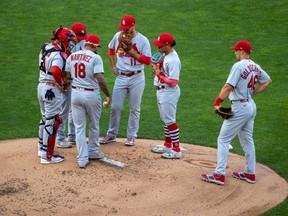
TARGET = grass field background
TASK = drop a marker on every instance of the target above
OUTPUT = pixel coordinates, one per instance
(204, 31)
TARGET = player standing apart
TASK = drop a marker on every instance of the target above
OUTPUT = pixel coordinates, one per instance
(245, 80)
(168, 93)
(79, 30)
(130, 79)
(86, 68)
(52, 61)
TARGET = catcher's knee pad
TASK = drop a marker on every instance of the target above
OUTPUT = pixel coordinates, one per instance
(51, 128)
(41, 129)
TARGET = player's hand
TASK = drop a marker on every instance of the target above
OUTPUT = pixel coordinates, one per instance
(115, 70)
(107, 102)
(216, 108)
(156, 68)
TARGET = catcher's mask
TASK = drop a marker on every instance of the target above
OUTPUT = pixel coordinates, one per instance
(64, 35)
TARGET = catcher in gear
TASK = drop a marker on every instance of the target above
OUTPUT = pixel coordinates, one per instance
(52, 58)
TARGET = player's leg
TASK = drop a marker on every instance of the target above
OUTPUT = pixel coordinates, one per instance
(167, 104)
(94, 112)
(119, 95)
(230, 128)
(79, 117)
(61, 137)
(246, 140)
(52, 123)
(136, 89)
(71, 129)
(42, 120)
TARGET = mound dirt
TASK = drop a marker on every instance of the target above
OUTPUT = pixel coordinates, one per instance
(148, 185)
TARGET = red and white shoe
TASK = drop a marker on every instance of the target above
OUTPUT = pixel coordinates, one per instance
(107, 139)
(213, 178)
(250, 178)
(130, 141)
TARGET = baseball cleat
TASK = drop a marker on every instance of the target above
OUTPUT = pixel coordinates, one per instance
(107, 139)
(54, 159)
(63, 144)
(213, 178)
(71, 141)
(83, 165)
(171, 154)
(130, 141)
(96, 155)
(250, 178)
(160, 149)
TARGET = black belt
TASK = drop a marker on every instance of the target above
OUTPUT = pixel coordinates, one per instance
(86, 89)
(241, 101)
(128, 74)
(160, 87)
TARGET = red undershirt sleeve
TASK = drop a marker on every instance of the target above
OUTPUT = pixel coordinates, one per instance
(56, 72)
(145, 59)
(111, 52)
(167, 80)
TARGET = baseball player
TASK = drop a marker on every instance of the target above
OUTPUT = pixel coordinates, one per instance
(52, 59)
(168, 93)
(245, 80)
(130, 79)
(86, 68)
(79, 30)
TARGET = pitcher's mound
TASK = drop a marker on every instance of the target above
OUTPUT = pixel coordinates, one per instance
(149, 185)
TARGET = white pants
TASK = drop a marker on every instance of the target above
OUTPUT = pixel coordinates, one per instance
(132, 88)
(242, 123)
(86, 104)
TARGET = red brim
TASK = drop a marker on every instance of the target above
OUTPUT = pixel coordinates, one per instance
(124, 27)
(157, 43)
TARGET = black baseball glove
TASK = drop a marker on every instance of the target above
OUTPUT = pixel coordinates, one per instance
(224, 112)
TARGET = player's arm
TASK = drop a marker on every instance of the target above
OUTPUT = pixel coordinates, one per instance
(56, 72)
(261, 87)
(225, 91)
(165, 79)
(139, 57)
(112, 58)
(103, 86)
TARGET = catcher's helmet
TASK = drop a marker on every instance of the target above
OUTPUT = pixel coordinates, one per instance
(64, 35)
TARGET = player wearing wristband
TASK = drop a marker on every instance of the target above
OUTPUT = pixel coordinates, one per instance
(168, 93)
(245, 80)
(130, 78)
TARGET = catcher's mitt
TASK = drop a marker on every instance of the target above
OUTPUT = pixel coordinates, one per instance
(125, 43)
(157, 58)
(224, 112)
(66, 81)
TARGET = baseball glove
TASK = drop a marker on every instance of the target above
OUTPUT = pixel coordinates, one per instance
(125, 42)
(157, 58)
(66, 81)
(224, 112)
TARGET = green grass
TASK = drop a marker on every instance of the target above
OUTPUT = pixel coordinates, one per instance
(204, 31)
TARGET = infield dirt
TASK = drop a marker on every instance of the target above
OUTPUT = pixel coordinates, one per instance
(149, 185)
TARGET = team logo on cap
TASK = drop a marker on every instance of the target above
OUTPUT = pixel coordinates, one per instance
(159, 38)
(123, 22)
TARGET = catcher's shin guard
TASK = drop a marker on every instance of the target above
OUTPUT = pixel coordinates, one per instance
(52, 137)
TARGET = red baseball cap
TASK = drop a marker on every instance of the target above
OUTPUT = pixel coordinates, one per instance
(127, 22)
(93, 39)
(164, 39)
(242, 45)
(80, 30)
